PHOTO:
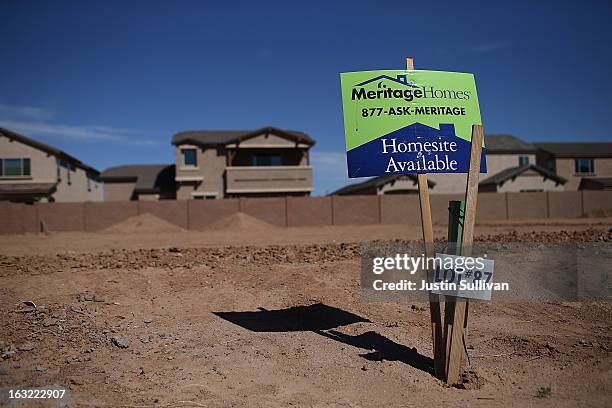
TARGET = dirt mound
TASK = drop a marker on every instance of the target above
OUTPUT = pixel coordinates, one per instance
(142, 223)
(240, 221)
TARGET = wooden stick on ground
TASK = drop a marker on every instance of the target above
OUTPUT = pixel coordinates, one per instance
(434, 300)
(455, 353)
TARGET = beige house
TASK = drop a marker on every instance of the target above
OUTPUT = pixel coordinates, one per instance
(223, 164)
(32, 171)
(502, 152)
(586, 166)
(527, 178)
(139, 182)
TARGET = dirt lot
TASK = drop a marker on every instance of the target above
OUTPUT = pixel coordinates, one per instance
(269, 317)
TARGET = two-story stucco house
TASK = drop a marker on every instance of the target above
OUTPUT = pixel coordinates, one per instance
(223, 164)
(586, 166)
(32, 171)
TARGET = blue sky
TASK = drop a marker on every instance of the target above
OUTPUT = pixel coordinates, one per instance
(110, 82)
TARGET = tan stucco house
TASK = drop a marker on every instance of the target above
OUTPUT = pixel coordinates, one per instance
(502, 152)
(261, 163)
(31, 171)
(586, 166)
(519, 179)
(139, 182)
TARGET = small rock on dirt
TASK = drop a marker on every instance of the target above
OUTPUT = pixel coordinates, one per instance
(49, 322)
(121, 341)
(26, 347)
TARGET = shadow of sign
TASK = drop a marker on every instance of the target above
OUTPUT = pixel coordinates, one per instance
(321, 319)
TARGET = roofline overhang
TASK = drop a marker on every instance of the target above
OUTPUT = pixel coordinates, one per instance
(48, 149)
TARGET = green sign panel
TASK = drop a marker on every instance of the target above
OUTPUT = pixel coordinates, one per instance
(407, 122)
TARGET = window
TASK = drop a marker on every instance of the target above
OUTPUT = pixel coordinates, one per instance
(15, 167)
(523, 160)
(585, 166)
(266, 160)
(58, 163)
(203, 196)
(69, 168)
(190, 157)
(550, 163)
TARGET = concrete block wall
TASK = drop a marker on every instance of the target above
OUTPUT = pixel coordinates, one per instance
(201, 213)
(309, 211)
(61, 217)
(565, 204)
(271, 210)
(400, 209)
(525, 206)
(356, 210)
(301, 211)
(99, 216)
(596, 201)
(173, 211)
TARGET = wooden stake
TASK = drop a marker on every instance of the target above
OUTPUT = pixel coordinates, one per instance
(434, 300)
(455, 355)
(456, 211)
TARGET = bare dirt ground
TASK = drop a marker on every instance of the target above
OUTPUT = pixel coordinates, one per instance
(274, 317)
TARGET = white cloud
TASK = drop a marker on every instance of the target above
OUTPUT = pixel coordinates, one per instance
(328, 159)
(25, 112)
(488, 47)
(35, 121)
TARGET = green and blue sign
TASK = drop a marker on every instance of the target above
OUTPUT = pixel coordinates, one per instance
(408, 122)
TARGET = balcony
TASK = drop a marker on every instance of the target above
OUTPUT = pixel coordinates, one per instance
(268, 179)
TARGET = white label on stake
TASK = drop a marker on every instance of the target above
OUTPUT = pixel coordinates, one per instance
(463, 276)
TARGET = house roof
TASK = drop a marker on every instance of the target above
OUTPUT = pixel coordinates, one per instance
(149, 178)
(513, 172)
(570, 150)
(501, 143)
(224, 137)
(376, 182)
(596, 182)
(27, 189)
(48, 149)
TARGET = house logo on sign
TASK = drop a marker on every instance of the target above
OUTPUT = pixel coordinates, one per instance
(401, 79)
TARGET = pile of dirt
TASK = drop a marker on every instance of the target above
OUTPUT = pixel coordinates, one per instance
(143, 223)
(240, 221)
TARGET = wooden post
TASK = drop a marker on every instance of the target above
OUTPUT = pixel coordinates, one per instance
(455, 352)
(434, 300)
(456, 212)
